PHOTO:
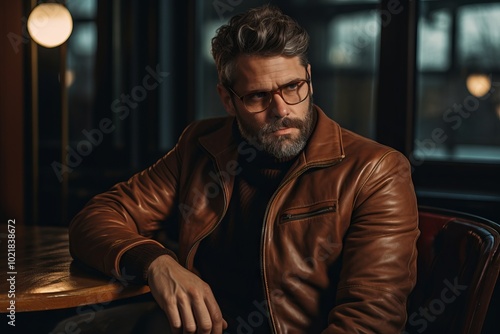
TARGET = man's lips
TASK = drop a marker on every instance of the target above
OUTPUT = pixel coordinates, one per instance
(282, 131)
(283, 127)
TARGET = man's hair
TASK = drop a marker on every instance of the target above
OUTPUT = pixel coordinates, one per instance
(264, 31)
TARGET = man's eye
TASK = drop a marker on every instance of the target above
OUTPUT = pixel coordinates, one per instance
(257, 96)
(292, 86)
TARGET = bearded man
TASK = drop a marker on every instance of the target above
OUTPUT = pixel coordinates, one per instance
(286, 222)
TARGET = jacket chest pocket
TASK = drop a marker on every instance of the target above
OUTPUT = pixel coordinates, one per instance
(309, 213)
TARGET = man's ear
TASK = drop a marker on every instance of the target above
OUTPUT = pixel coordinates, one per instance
(226, 100)
(310, 77)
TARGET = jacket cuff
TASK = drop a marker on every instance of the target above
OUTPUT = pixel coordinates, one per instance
(135, 262)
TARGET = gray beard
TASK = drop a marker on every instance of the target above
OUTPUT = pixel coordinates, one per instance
(283, 146)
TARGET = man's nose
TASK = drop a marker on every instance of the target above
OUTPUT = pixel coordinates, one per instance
(279, 108)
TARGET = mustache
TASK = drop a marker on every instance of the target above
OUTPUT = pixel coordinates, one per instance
(283, 123)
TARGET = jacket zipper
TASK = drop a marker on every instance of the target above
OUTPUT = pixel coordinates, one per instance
(290, 217)
(263, 234)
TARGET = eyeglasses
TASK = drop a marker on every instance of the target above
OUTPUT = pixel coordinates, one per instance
(292, 93)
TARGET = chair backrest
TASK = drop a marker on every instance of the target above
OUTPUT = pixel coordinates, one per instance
(458, 267)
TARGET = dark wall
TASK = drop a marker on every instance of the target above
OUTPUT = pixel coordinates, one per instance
(11, 112)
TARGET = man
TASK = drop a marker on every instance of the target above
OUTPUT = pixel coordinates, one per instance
(287, 223)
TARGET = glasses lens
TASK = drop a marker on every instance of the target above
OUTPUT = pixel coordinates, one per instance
(256, 102)
(293, 93)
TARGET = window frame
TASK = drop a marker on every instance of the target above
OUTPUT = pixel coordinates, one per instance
(463, 186)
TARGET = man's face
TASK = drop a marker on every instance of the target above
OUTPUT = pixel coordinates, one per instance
(281, 130)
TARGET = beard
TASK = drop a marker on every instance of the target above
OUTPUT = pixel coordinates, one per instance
(285, 146)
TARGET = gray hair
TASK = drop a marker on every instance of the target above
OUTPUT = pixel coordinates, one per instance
(264, 31)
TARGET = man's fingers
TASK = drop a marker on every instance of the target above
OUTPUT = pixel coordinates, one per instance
(203, 319)
(186, 312)
(174, 317)
(188, 301)
(218, 322)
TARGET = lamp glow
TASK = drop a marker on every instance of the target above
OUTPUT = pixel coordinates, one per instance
(478, 84)
(50, 24)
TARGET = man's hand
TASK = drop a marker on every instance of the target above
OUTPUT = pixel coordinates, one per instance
(187, 300)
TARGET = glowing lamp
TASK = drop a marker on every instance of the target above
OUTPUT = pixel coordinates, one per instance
(50, 24)
(478, 84)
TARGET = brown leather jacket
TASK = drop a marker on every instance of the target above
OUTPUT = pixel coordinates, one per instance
(338, 250)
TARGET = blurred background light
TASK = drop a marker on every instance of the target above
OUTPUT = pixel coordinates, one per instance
(50, 24)
(478, 84)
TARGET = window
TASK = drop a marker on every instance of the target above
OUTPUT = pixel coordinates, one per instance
(353, 51)
(458, 96)
(81, 65)
(456, 147)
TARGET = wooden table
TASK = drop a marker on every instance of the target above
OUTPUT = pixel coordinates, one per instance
(47, 278)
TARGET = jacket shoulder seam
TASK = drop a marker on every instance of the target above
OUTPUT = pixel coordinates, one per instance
(372, 171)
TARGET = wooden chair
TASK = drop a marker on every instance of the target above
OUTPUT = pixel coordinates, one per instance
(458, 267)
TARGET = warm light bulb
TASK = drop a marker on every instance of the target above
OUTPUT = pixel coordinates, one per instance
(478, 84)
(50, 24)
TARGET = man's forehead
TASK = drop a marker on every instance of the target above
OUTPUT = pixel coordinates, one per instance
(258, 71)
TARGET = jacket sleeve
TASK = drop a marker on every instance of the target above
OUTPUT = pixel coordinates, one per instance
(379, 256)
(126, 216)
